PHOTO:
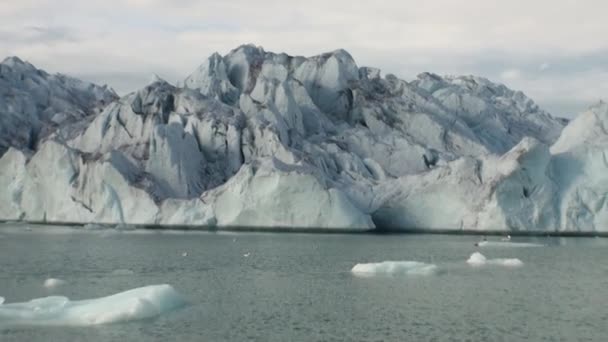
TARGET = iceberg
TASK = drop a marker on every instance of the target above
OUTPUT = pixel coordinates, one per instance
(135, 304)
(409, 268)
(477, 259)
(263, 139)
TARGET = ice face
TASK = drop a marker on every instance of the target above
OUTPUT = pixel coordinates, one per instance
(477, 259)
(135, 304)
(410, 268)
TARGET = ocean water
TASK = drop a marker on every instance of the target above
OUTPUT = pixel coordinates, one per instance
(298, 287)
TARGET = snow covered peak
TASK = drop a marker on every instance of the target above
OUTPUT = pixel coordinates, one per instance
(12, 60)
(33, 103)
(18, 64)
(154, 78)
(156, 98)
(211, 79)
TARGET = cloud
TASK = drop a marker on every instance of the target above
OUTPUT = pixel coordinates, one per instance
(38, 34)
(502, 40)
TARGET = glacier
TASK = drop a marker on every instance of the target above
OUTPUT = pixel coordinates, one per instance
(261, 139)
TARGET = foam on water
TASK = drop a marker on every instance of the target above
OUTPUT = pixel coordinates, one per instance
(135, 304)
(394, 268)
(477, 259)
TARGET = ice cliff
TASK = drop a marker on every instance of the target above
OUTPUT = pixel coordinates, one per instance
(261, 139)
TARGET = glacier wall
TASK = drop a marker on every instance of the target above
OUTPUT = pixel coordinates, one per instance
(261, 139)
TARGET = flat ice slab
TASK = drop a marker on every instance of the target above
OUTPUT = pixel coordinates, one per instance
(394, 268)
(53, 282)
(477, 259)
(135, 304)
(507, 244)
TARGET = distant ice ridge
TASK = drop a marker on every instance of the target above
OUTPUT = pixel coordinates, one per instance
(412, 268)
(135, 304)
(271, 140)
(477, 259)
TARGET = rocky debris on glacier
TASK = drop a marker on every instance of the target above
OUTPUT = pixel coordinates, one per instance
(34, 104)
(256, 138)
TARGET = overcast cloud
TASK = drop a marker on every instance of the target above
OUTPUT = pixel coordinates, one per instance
(555, 51)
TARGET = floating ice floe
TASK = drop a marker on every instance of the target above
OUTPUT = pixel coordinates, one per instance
(478, 259)
(394, 268)
(54, 282)
(1, 300)
(135, 304)
(507, 244)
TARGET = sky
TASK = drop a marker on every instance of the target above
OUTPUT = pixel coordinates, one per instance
(555, 51)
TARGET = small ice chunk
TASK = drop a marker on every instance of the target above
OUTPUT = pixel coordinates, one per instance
(53, 283)
(394, 268)
(477, 259)
(135, 304)
(185, 254)
(1, 300)
(246, 255)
